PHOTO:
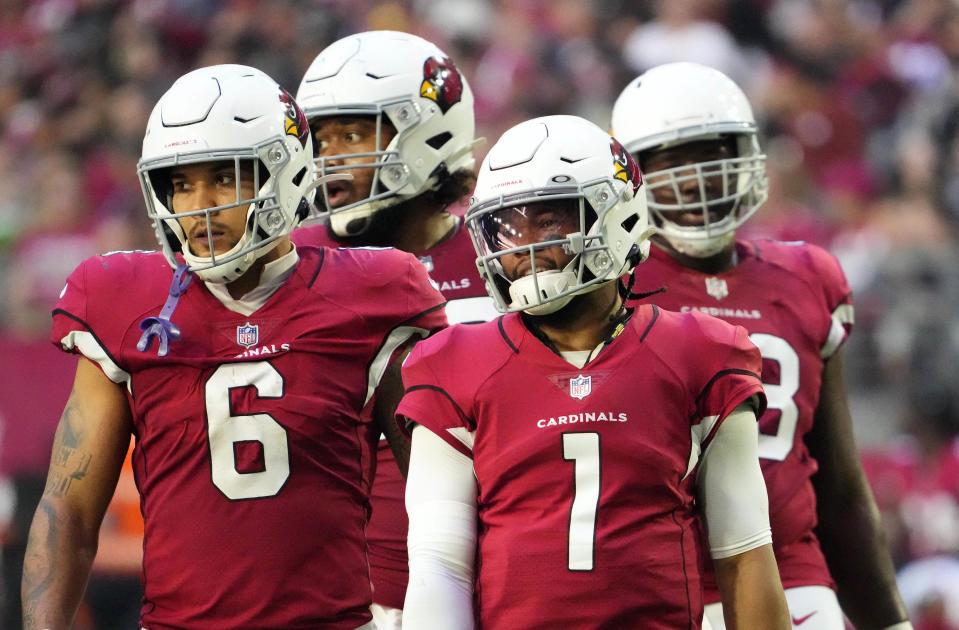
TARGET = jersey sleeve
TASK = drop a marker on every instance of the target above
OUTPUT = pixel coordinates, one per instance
(70, 312)
(76, 317)
(733, 376)
(837, 296)
(424, 302)
(430, 399)
(393, 300)
(316, 235)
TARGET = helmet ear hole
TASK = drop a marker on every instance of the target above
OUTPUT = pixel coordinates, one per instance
(171, 238)
(440, 172)
(302, 210)
(162, 186)
(439, 140)
(299, 176)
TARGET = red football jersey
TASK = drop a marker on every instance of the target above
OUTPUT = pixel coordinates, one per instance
(252, 456)
(452, 269)
(586, 477)
(796, 304)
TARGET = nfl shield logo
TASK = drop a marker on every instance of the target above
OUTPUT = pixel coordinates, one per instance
(427, 262)
(717, 288)
(247, 335)
(580, 386)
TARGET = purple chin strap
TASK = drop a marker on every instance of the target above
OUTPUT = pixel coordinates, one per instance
(161, 326)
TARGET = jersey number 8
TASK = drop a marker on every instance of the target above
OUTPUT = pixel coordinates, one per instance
(779, 395)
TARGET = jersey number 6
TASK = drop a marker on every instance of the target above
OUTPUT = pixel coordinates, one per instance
(226, 430)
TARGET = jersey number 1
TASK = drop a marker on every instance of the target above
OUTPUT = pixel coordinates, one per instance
(583, 450)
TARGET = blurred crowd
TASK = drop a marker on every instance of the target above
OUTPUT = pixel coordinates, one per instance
(858, 102)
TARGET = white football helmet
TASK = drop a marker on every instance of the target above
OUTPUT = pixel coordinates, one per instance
(552, 161)
(676, 103)
(418, 89)
(238, 113)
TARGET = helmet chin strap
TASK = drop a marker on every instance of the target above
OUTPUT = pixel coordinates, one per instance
(356, 221)
(550, 283)
(227, 272)
(700, 248)
(350, 222)
(524, 291)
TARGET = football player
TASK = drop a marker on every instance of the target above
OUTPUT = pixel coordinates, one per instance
(242, 365)
(693, 132)
(392, 111)
(563, 453)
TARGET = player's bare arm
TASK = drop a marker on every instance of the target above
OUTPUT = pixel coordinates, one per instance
(388, 395)
(88, 450)
(752, 594)
(849, 529)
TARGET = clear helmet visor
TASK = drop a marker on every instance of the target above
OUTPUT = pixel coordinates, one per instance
(538, 223)
(531, 253)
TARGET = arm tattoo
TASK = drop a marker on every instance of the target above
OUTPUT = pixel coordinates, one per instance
(59, 483)
(62, 540)
(68, 465)
(37, 566)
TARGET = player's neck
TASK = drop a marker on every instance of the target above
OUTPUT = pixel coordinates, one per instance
(251, 278)
(423, 228)
(717, 263)
(584, 323)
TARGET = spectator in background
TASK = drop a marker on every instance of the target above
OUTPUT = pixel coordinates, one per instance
(915, 482)
(917, 479)
(35, 378)
(689, 31)
(930, 588)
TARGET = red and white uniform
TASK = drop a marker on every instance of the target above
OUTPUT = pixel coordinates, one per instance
(796, 304)
(452, 269)
(252, 457)
(626, 429)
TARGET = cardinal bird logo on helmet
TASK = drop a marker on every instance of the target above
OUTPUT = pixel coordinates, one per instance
(625, 167)
(296, 124)
(442, 82)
